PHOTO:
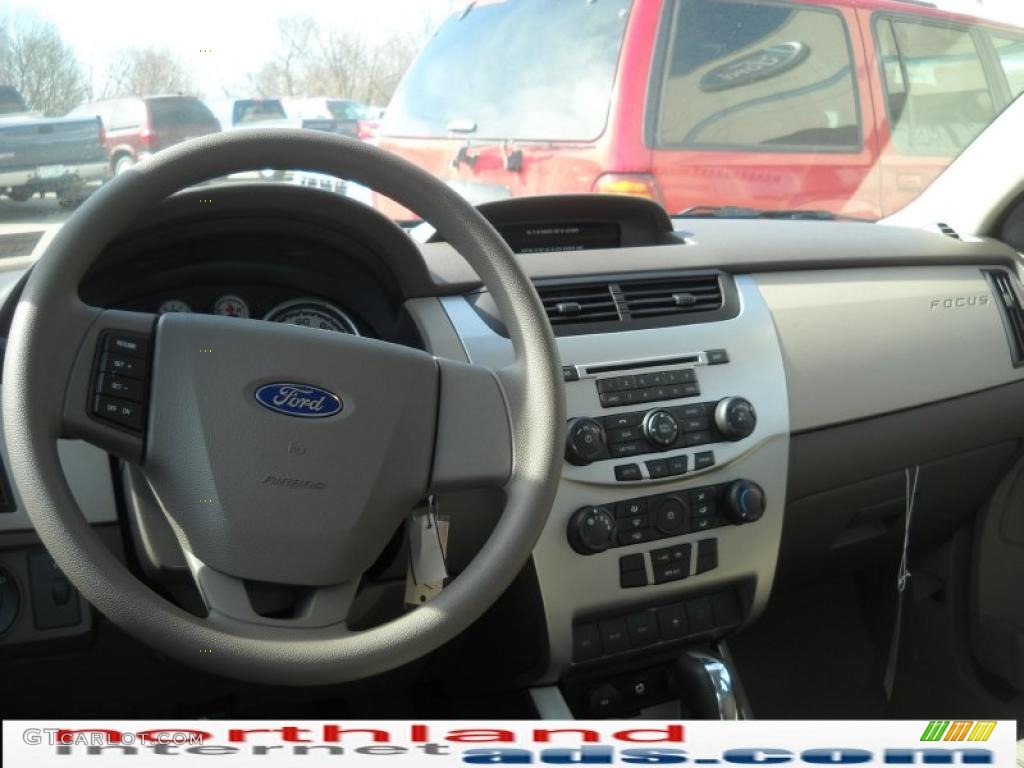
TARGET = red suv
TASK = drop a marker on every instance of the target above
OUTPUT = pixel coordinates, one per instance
(851, 106)
(138, 127)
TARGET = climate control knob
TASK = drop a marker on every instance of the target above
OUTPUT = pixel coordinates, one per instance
(661, 428)
(744, 502)
(591, 530)
(735, 418)
(584, 441)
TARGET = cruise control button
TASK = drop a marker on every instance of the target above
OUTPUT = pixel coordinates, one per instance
(126, 344)
(627, 472)
(121, 412)
(120, 386)
(123, 365)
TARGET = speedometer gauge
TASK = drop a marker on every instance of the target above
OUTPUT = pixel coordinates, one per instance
(173, 305)
(312, 313)
(231, 305)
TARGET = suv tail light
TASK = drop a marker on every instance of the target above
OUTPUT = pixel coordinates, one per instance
(632, 184)
(146, 138)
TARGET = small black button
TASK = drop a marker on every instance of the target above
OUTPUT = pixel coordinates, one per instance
(698, 424)
(661, 556)
(689, 376)
(586, 642)
(698, 614)
(692, 411)
(126, 344)
(605, 701)
(671, 622)
(704, 460)
(570, 373)
(607, 385)
(643, 380)
(677, 465)
(706, 509)
(122, 387)
(632, 579)
(60, 591)
(621, 450)
(123, 365)
(673, 377)
(717, 356)
(637, 536)
(726, 609)
(614, 638)
(680, 554)
(671, 572)
(635, 523)
(625, 435)
(611, 399)
(631, 507)
(623, 420)
(121, 412)
(626, 472)
(662, 393)
(691, 390)
(638, 688)
(644, 395)
(670, 516)
(627, 382)
(675, 391)
(706, 523)
(643, 629)
(701, 495)
(708, 563)
(697, 438)
(707, 547)
(631, 562)
(657, 468)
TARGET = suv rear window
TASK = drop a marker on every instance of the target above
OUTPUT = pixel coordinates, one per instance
(937, 96)
(164, 112)
(515, 69)
(1011, 56)
(256, 111)
(747, 75)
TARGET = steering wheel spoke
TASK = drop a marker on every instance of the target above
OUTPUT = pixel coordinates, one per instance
(230, 599)
(106, 403)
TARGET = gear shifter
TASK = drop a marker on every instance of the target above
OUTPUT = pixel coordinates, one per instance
(706, 687)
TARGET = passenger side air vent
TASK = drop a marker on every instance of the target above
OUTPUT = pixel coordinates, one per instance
(1007, 295)
(674, 296)
(572, 304)
(948, 231)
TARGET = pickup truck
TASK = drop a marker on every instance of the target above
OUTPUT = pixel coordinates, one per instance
(39, 155)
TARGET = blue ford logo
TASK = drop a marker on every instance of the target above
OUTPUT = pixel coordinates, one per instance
(302, 400)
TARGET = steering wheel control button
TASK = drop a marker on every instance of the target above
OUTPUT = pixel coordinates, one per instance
(124, 413)
(628, 472)
(745, 502)
(123, 365)
(717, 356)
(591, 530)
(123, 387)
(584, 441)
(671, 516)
(735, 418)
(707, 555)
(10, 600)
(661, 428)
(125, 344)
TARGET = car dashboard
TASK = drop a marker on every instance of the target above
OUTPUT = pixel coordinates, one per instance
(745, 397)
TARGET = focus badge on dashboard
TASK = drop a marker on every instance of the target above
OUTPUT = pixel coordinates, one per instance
(301, 400)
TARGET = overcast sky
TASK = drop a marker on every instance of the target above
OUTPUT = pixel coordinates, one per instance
(240, 33)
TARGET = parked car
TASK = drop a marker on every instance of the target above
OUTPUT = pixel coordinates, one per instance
(136, 127)
(39, 155)
(271, 113)
(854, 106)
(360, 118)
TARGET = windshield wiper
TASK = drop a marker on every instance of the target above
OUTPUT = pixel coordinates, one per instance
(739, 212)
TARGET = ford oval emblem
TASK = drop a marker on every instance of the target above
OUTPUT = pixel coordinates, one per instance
(302, 400)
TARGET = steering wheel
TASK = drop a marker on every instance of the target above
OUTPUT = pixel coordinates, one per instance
(279, 454)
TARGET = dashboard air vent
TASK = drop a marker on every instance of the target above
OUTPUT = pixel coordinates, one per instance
(571, 304)
(948, 231)
(673, 296)
(1007, 295)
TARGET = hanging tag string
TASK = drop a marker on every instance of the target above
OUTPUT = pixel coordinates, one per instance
(902, 579)
(904, 573)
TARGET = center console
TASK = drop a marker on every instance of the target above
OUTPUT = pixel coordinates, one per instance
(666, 527)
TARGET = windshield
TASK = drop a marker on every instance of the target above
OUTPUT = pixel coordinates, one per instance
(706, 107)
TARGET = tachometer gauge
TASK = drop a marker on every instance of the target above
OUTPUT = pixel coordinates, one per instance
(173, 305)
(231, 305)
(312, 313)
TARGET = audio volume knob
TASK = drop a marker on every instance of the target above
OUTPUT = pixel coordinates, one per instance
(735, 418)
(744, 502)
(591, 530)
(584, 441)
(661, 428)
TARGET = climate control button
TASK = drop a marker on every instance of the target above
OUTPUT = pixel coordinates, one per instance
(592, 530)
(672, 515)
(661, 428)
(735, 418)
(745, 502)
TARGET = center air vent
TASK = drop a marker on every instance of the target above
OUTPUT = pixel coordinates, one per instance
(593, 303)
(674, 296)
